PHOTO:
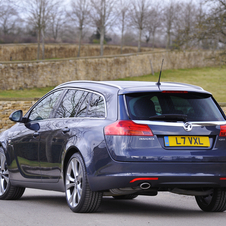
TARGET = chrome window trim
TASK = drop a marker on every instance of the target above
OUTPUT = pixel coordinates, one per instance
(93, 82)
(81, 118)
(125, 104)
(179, 124)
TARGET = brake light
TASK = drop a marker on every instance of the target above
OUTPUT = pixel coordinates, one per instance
(127, 128)
(174, 91)
(223, 131)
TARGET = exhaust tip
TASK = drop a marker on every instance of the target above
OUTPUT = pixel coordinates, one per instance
(145, 186)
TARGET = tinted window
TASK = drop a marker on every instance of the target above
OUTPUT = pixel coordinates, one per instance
(157, 105)
(45, 107)
(96, 107)
(196, 106)
(71, 103)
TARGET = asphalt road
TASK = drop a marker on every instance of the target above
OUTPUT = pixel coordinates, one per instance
(47, 208)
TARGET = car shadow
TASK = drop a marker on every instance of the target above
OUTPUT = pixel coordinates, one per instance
(138, 206)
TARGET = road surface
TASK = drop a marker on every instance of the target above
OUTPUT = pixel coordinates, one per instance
(46, 208)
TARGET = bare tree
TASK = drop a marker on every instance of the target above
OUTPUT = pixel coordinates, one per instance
(169, 16)
(154, 22)
(217, 20)
(39, 12)
(199, 35)
(56, 22)
(79, 14)
(202, 26)
(8, 16)
(189, 15)
(139, 14)
(188, 25)
(122, 18)
(214, 26)
(103, 17)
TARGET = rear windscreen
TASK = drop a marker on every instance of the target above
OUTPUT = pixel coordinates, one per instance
(195, 106)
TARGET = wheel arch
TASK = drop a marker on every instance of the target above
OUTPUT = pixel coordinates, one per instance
(69, 153)
(3, 151)
(2, 147)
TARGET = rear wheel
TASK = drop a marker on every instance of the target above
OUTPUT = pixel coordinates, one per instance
(7, 191)
(79, 196)
(215, 202)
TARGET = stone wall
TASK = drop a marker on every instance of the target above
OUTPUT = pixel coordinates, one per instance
(29, 74)
(7, 107)
(26, 52)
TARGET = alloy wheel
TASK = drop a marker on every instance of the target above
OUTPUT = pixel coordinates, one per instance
(74, 179)
(4, 175)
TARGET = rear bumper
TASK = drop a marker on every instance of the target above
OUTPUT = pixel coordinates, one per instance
(160, 175)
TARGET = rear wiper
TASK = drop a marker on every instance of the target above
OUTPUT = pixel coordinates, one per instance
(170, 117)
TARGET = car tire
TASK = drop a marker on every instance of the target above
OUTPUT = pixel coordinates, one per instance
(79, 196)
(7, 191)
(132, 196)
(215, 202)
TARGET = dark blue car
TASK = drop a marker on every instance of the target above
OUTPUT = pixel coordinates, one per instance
(121, 139)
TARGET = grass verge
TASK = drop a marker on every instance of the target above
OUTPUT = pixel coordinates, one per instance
(25, 93)
(211, 79)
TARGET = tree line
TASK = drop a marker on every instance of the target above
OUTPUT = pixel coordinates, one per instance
(172, 24)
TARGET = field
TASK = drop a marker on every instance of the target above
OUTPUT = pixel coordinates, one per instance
(211, 79)
(24, 93)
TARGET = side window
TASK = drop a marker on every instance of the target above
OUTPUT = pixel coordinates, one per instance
(45, 107)
(71, 103)
(83, 109)
(96, 107)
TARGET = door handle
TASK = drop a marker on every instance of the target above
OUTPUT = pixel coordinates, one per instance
(66, 130)
(35, 134)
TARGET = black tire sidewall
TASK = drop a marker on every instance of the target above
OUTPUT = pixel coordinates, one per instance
(212, 206)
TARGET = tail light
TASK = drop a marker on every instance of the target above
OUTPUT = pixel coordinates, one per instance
(127, 128)
(223, 131)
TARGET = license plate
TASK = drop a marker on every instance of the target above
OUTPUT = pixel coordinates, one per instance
(186, 141)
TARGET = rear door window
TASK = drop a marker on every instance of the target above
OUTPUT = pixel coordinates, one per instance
(71, 103)
(82, 112)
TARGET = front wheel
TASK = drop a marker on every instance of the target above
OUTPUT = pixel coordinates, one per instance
(79, 196)
(215, 202)
(7, 191)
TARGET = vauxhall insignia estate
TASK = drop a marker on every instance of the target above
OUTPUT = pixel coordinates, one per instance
(121, 139)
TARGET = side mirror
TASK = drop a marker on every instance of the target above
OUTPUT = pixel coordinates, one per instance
(16, 116)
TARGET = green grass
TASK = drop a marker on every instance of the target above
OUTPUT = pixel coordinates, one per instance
(210, 79)
(25, 93)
